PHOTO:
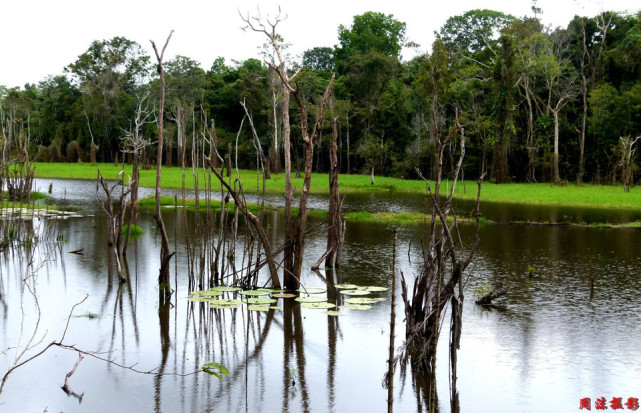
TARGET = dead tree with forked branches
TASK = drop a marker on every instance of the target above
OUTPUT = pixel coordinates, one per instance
(164, 288)
(135, 144)
(294, 239)
(441, 278)
(116, 218)
(335, 223)
(240, 203)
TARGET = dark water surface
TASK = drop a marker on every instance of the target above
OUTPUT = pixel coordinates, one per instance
(544, 348)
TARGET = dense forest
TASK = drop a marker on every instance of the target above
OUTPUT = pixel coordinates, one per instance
(536, 104)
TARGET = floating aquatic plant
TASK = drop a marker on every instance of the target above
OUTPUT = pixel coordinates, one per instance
(200, 299)
(256, 300)
(215, 369)
(333, 313)
(346, 286)
(255, 292)
(318, 305)
(311, 299)
(205, 293)
(224, 303)
(373, 288)
(363, 300)
(284, 295)
(224, 288)
(312, 290)
(258, 307)
(355, 292)
(356, 307)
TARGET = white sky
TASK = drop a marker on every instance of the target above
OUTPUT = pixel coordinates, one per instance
(40, 37)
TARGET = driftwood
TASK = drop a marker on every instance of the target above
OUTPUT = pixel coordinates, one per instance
(492, 295)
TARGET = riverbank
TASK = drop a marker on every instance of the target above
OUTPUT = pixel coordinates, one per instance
(542, 194)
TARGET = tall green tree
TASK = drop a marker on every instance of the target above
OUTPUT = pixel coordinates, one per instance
(108, 74)
(367, 59)
(185, 88)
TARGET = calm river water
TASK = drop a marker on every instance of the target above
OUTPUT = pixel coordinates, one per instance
(546, 346)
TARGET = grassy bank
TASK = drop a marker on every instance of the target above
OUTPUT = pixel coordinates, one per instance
(588, 196)
(389, 218)
(396, 219)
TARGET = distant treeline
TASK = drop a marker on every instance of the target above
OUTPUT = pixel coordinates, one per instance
(535, 104)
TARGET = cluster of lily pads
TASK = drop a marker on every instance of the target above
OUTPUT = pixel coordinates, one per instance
(37, 212)
(265, 299)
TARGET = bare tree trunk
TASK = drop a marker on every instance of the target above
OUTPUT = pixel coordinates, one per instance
(288, 280)
(164, 286)
(308, 140)
(271, 263)
(335, 227)
(444, 263)
(557, 177)
(584, 119)
(348, 154)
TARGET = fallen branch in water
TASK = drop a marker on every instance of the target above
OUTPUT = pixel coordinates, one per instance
(492, 295)
(66, 387)
(95, 354)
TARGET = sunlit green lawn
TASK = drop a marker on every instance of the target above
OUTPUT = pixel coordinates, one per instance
(593, 196)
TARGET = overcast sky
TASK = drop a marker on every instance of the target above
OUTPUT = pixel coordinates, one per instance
(40, 37)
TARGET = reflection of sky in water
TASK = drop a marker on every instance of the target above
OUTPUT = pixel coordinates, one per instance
(546, 348)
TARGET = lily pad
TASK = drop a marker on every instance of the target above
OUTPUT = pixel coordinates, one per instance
(274, 307)
(333, 313)
(224, 288)
(200, 299)
(284, 295)
(258, 308)
(273, 290)
(318, 305)
(223, 306)
(363, 300)
(255, 292)
(224, 303)
(346, 286)
(205, 293)
(314, 290)
(256, 300)
(355, 292)
(311, 299)
(356, 307)
(373, 288)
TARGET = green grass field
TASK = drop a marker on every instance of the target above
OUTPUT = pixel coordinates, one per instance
(589, 196)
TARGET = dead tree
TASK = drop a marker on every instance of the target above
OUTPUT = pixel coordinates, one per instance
(134, 143)
(17, 168)
(335, 224)
(116, 218)
(626, 152)
(257, 25)
(445, 260)
(164, 289)
(294, 241)
(255, 222)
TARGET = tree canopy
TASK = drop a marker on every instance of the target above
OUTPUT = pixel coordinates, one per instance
(536, 104)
